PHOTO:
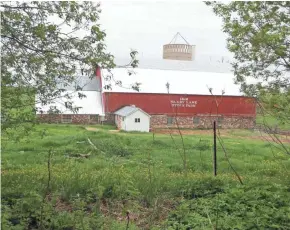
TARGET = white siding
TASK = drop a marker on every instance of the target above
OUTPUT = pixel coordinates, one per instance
(131, 125)
(91, 104)
(123, 123)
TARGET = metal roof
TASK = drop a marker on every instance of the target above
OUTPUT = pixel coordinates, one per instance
(202, 63)
(127, 110)
(85, 82)
(181, 82)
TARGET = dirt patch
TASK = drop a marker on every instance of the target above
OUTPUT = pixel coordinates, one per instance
(62, 206)
(270, 138)
(140, 214)
(114, 131)
(229, 134)
(183, 132)
(92, 129)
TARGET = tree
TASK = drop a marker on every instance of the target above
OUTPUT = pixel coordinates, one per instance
(259, 37)
(45, 45)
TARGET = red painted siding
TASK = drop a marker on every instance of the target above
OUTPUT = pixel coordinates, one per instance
(182, 104)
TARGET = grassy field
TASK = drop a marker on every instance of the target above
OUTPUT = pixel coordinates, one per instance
(272, 122)
(56, 179)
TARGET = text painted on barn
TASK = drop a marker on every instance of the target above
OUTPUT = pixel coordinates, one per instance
(183, 102)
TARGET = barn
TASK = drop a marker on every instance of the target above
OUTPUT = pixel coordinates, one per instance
(186, 110)
(188, 99)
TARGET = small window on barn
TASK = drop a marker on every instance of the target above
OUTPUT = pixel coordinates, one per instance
(169, 120)
(93, 117)
(123, 118)
(137, 120)
(220, 121)
(196, 120)
(66, 118)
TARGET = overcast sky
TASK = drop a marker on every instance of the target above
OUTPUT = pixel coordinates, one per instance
(147, 25)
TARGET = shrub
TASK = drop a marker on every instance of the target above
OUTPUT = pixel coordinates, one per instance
(240, 208)
(202, 145)
(113, 148)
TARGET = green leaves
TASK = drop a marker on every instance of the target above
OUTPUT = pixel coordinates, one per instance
(40, 31)
(259, 38)
(99, 35)
(239, 208)
(47, 46)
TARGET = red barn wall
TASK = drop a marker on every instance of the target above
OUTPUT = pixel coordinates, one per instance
(183, 105)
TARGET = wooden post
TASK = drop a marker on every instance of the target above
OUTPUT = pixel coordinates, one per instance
(214, 149)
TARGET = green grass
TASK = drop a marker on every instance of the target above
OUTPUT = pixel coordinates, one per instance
(272, 122)
(132, 172)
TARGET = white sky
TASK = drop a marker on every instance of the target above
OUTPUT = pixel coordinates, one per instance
(147, 25)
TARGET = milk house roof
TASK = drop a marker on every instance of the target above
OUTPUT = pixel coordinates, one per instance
(127, 110)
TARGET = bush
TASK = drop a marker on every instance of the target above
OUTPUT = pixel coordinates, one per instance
(31, 212)
(202, 145)
(240, 208)
(159, 143)
(114, 148)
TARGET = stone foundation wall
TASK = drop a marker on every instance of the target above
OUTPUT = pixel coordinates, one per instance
(75, 118)
(110, 118)
(203, 122)
(118, 122)
(161, 121)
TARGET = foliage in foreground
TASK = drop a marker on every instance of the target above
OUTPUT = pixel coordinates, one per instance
(48, 48)
(265, 207)
(131, 173)
(258, 36)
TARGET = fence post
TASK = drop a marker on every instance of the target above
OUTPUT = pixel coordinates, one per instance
(214, 149)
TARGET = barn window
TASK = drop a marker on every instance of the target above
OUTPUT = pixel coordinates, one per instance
(66, 118)
(93, 117)
(220, 121)
(196, 120)
(137, 120)
(169, 120)
(123, 118)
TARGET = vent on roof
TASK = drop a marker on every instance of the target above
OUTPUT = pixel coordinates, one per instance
(133, 105)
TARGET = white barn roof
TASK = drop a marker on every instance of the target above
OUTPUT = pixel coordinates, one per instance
(181, 82)
(85, 82)
(201, 63)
